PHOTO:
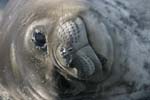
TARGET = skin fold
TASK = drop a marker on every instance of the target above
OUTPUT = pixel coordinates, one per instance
(73, 50)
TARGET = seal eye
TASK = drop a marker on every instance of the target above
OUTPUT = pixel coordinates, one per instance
(39, 39)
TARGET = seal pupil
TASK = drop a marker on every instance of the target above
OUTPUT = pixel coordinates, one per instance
(39, 39)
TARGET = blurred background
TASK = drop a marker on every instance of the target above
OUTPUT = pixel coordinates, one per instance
(2, 5)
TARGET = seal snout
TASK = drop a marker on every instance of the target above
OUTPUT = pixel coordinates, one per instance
(74, 51)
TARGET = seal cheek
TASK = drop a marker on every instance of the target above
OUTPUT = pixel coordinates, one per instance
(15, 67)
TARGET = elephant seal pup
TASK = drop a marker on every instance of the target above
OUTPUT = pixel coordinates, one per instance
(65, 50)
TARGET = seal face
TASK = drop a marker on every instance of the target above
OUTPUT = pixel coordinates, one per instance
(47, 48)
(68, 48)
(62, 50)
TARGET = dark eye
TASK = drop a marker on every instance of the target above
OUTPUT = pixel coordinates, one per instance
(39, 39)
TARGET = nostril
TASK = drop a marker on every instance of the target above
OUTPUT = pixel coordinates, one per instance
(67, 56)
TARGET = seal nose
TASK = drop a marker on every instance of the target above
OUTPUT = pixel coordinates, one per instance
(74, 50)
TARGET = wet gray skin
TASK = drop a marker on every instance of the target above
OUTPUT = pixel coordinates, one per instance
(72, 50)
